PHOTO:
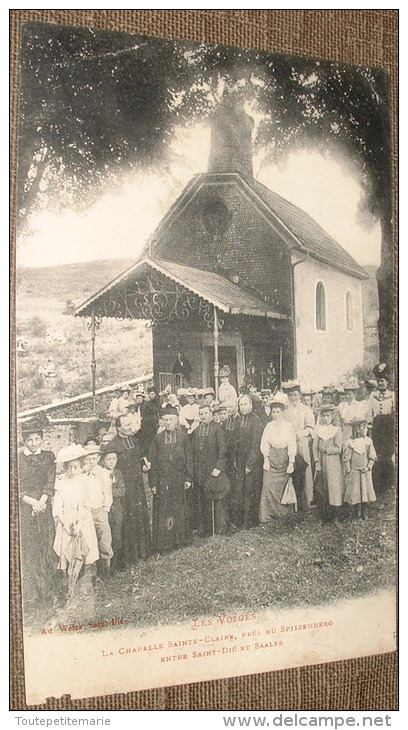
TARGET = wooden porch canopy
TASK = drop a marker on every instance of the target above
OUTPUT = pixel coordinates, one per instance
(163, 291)
(159, 291)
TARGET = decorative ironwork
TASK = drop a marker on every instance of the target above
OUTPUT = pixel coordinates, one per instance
(95, 321)
(155, 300)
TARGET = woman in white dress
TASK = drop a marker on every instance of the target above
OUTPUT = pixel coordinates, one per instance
(278, 446)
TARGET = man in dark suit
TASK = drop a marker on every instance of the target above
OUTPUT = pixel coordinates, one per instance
(209, 458)
(263, 409)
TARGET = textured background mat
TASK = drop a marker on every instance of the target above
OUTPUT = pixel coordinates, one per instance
(357, 36)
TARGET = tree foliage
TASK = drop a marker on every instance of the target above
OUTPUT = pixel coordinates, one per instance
(96, 105)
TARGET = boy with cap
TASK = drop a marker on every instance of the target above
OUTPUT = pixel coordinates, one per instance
(116, 512)
(99, 500)
(263, 409)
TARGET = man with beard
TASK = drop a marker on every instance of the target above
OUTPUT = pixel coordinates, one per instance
(246, 493)
(136, 527)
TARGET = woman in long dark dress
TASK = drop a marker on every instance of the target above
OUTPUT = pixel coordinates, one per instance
(136, 526)
(170, 475)
(383, 431)
(36, 477)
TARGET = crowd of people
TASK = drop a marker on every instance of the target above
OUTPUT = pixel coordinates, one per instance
(167, 466)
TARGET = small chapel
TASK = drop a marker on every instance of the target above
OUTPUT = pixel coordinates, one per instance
(236, 275)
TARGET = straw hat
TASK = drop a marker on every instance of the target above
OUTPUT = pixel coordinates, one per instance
(70, 453)
(279, 400)
(208, 391)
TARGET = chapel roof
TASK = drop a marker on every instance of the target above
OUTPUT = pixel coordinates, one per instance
(297, 228)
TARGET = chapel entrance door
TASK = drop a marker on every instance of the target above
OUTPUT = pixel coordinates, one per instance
(230, 352)
(226, 356)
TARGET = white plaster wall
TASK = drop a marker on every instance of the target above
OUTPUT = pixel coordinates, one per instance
(325, 357)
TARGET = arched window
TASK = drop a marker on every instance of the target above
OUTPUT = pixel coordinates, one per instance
(320, 307)
(349, 311)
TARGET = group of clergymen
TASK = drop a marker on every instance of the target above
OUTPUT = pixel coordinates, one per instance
(203, 458)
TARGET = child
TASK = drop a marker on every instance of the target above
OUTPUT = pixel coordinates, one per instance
(109, 461)
(349, 409)
(99, 499)
(358, 458)
(329, 482)
(75, 537)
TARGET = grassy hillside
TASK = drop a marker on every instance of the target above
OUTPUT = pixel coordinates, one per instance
(46, 299)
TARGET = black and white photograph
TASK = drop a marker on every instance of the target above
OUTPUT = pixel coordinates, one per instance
(205, 361)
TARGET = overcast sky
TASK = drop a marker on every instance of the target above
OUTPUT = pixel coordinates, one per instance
(118, 224)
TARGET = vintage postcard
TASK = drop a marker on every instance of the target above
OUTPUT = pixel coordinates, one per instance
(204, 338)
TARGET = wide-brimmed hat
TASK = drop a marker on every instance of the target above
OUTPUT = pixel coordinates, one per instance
(308, 391)
(279, 400)
(328, 407)
(208, 391)
(187, 392)
(225, 371)
(125, 388)
(70, 453)
(358, 419)
(266, 391)
(216, 487)
(92, 449)
(291, 385)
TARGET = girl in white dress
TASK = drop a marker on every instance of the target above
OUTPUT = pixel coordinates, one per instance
(75, 537)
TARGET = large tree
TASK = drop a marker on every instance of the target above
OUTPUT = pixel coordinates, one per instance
(95, 105)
